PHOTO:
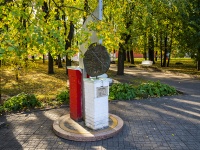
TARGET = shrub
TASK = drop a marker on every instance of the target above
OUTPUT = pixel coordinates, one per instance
(121, 91)
(154, 89)
(21, 101)
(124, 91)
(63, 97)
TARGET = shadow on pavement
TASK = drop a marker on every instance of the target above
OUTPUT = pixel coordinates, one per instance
(34, 130)
(162, 123)
(8, 135)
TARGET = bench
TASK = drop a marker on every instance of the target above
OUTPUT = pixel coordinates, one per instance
(147, 63)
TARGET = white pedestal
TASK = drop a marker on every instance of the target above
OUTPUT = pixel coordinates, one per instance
(96, 93)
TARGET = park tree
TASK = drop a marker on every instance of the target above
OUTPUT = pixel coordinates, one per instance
(16, 33)
(168, 24)
(33, 27)
(47, 26)
(190, 33)
(157, 25)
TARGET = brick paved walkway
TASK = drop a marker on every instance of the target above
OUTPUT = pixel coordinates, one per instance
(167, 123)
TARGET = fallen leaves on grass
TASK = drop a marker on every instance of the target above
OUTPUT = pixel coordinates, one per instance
(35, 81)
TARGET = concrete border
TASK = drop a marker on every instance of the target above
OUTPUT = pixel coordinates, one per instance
(79, 133)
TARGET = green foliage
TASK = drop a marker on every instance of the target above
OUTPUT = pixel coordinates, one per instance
(124, 91)
(154, 89)
(27, 28)
(19, 102)
(1, 109)
(63, 97)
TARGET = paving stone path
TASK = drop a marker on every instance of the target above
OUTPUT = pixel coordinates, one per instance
(167, 123)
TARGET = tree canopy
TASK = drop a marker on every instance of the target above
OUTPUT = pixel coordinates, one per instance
(43, 26)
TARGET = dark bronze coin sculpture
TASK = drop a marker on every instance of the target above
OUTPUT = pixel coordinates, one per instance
(96, 60)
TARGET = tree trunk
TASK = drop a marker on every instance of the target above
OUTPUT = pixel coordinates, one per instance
(151, 49)
(24, 23)
(50, 64)
(169, 56)
(86, 10)
(170, 47)
(157, 40)
(161, 48)
(68, 41)
(198, 59)
(45, 9)
(156, 56)
(59, 62)
(128, 56)
(68, 63)
(166, 47)
(33, 58)
(124, 53)
(132, 57)
(127, 39)
(120, 63)
(161, 58)
(68, 44)
(165, 52)
(43, 58)
(145, 47)
(56, 61)
(145, 55)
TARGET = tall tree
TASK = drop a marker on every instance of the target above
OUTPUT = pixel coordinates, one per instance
(50, 58)
(190, 33)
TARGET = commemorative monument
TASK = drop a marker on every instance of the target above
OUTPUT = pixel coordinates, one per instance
(89, 118)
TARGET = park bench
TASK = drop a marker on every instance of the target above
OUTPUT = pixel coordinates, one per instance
(147, 63)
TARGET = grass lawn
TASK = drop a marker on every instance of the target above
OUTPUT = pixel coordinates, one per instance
(34, 80)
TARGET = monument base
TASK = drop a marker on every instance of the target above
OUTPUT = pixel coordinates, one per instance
(69, 129)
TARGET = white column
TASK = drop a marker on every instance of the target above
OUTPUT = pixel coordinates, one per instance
(100, 15)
